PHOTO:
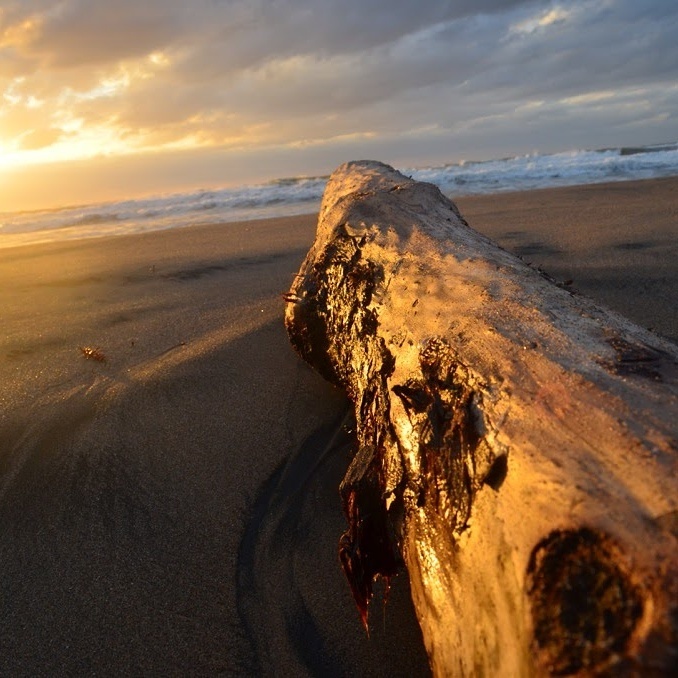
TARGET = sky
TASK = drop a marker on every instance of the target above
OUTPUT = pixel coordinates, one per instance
(103, 100)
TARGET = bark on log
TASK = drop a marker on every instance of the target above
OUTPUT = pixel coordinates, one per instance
(517, 444)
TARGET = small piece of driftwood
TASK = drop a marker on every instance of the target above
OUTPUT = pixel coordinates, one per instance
(517, 445)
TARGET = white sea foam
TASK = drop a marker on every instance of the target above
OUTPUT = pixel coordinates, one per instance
(300, 195)
(560, 169)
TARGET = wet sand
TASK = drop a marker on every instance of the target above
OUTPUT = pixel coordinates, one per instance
(173, 508)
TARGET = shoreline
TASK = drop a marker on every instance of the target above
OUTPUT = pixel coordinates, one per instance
(616, 241)
(131, 488)
(75, 233)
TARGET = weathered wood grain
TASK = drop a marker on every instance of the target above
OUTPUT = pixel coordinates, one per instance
(517, 445)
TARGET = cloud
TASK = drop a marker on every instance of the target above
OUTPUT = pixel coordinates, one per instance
(73, 33)
(39, 138)
(131, 76)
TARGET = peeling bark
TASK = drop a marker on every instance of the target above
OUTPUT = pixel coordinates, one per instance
(516, 444)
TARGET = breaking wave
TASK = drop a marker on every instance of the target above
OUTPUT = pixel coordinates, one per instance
(299, 195)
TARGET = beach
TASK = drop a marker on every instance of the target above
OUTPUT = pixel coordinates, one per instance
(169, 468)
(616, 242)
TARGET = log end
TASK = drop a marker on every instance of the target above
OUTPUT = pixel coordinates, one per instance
(588, 610)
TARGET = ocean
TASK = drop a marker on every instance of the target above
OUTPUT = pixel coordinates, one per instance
(301, 195)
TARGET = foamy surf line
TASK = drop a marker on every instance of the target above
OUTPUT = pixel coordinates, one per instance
(301, 195)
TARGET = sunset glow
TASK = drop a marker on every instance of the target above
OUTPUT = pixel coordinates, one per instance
(162, 96)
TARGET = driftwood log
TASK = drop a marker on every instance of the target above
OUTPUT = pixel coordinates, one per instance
(517, 445)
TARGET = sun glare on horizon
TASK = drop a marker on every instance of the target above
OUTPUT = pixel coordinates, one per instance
(9, 158)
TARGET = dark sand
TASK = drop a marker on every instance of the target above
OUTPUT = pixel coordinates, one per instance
(616, 242)
(174, 509)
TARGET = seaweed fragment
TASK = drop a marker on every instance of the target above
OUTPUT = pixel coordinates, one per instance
(368, 549)
(93, 353)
